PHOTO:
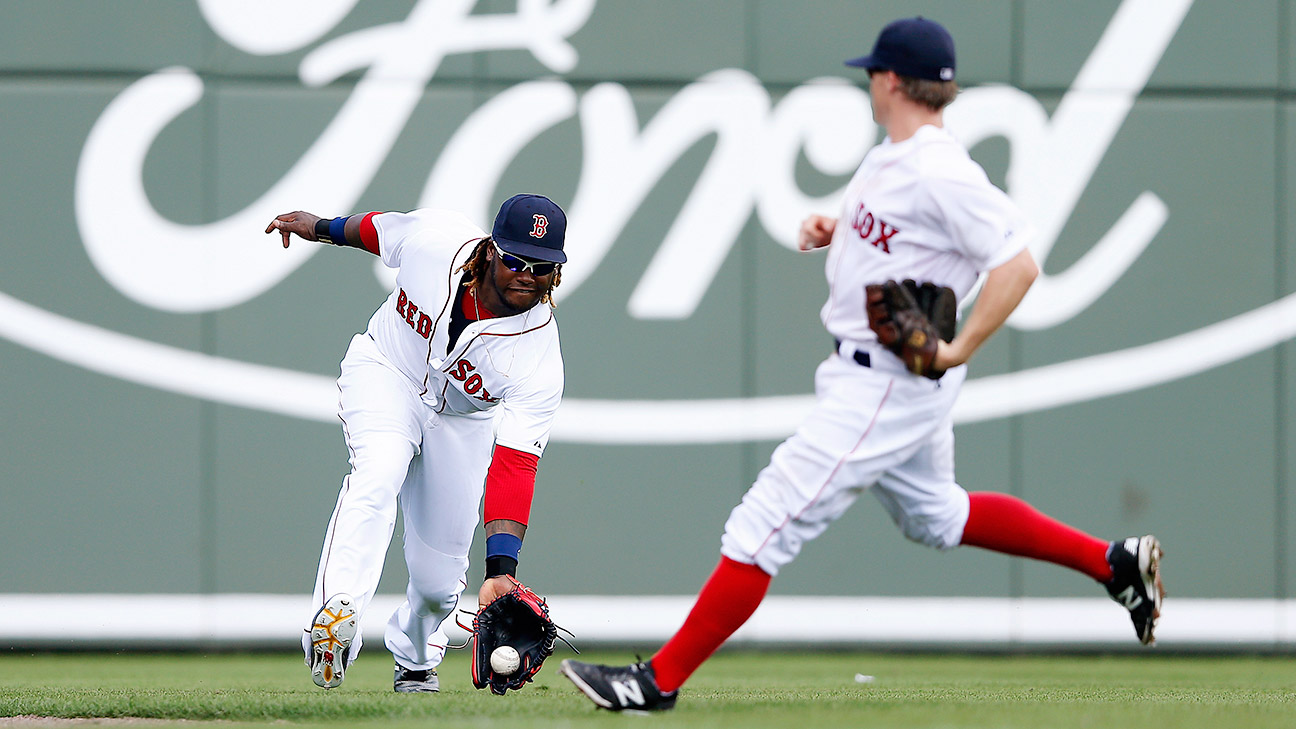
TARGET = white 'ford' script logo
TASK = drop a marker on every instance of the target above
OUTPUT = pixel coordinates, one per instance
(750, 170)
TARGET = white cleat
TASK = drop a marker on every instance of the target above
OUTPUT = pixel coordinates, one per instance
(332, 631)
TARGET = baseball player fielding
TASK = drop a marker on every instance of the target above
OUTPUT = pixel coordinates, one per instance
(446, 400)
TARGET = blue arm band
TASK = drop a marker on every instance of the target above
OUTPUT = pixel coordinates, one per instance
(502, 554)
(503, 545)
(337, 230)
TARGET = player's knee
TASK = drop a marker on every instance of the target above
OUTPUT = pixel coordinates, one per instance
(390, 452)
(753, 536)
(934, 522)
(439, 602)
(940, 531)
(436, 580)
(377, 473)
(363, 492)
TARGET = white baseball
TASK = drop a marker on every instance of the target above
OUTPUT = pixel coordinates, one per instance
(505, 660)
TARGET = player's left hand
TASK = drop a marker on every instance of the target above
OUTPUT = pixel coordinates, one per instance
(494, 588)
(519, 618)
(300, 222)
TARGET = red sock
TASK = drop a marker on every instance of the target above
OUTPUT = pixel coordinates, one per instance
(729, 597)
(1007, 524)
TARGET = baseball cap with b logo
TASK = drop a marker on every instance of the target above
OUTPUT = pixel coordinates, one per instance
(914, 47)
(531, 226)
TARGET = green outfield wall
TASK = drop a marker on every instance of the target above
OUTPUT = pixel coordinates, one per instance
(166, 369)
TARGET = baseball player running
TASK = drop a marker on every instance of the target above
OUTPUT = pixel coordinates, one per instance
(462, 356)
(919, 209)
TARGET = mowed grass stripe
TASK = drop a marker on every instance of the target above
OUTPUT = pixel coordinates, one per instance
(802, 690)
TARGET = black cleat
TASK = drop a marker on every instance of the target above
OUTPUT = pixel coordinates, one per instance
(410, 681)
(619, 688)
(1136, 582)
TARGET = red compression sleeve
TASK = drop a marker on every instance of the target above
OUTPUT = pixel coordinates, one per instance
(1007, 524)
(510, 484)
(369, 234)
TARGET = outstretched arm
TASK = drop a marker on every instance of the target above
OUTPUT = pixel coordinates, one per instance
(1003, 291)
(311, 227)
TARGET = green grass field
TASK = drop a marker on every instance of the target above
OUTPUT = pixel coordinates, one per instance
(803, 690)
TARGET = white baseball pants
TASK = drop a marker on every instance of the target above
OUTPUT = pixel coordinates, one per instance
(874, 427)
(435, 465)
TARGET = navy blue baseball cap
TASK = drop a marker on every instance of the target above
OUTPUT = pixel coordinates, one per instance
(531, 226)
(914, 47)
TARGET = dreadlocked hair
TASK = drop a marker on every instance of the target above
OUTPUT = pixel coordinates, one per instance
(477, 265)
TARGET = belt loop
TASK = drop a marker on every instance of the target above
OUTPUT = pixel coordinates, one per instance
(861, 357)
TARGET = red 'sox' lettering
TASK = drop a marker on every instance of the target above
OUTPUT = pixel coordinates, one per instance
(473, 384)
(864, 222)
(461, 370)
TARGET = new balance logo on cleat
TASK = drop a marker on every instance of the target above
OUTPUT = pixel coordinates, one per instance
(628, 693)
(1136, 582)
(1129, 598)
(625, 688)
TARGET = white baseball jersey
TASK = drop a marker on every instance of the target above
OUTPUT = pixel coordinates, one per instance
(920, 209)
(512, 360)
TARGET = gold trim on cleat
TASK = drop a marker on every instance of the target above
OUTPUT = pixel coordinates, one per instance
(332, 631)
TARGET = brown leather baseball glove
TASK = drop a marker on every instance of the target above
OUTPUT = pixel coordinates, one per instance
(939, 304)
(903, 327)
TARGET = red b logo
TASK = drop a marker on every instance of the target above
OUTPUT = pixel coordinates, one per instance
(541, 222)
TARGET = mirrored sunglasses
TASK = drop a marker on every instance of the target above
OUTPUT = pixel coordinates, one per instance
(517, 264)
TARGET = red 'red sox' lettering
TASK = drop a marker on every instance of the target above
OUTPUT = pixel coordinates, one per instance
(866, 224)
(472, 383)
(461, 370)
(409, 311)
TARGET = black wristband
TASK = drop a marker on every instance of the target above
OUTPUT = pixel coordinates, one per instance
(322, 230)
(501, 565)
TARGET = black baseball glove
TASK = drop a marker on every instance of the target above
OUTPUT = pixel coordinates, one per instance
(903, 326)
(518, 618)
